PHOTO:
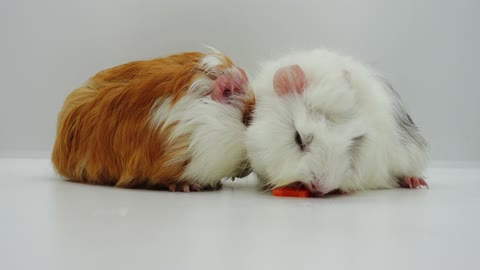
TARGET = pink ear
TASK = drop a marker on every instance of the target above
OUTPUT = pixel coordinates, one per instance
(289, 79)
(232, 83)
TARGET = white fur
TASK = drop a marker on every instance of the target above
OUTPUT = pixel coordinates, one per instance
(344, 99)
(201, 87)
(212, 63)
(217, 133)
(218, 141)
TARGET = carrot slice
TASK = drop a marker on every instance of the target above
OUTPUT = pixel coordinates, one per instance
(291, 192)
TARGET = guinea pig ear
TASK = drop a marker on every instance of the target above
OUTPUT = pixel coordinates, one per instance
(230, 83)
(289, 80)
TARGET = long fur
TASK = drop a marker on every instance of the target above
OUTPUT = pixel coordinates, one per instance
(152, 123)
(361, 135)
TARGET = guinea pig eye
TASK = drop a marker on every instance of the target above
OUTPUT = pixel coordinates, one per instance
(298, 139)
(227, 92)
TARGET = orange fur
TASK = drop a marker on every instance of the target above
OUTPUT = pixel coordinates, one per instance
(104, 133)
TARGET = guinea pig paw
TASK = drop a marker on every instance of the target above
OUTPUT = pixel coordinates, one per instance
(413, 182)
(195, 187)
(216, 186)
(184, 187)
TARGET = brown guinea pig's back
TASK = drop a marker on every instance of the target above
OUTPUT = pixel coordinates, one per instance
(104, 133)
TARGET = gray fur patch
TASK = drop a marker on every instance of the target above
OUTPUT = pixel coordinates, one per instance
(355, 148)
(358, 141)
(407, 130)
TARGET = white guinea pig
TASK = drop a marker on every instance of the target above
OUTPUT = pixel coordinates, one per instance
(331, 123)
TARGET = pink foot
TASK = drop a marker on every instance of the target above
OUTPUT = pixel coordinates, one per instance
(184, 187)
(413, 182)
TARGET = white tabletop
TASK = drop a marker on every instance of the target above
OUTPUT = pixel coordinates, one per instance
(48, 223)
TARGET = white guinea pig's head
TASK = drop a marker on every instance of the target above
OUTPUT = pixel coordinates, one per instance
(307, 132)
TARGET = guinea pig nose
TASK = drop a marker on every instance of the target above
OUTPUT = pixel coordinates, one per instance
(303, 141)
(316, 187)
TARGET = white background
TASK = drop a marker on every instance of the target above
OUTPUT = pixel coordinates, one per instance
(428, 49)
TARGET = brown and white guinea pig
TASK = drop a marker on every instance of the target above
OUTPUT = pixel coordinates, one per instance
(176, 122)
(333, 124)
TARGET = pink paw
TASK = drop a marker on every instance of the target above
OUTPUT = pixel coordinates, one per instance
(413, 182)
(189, 187)
(184, 187)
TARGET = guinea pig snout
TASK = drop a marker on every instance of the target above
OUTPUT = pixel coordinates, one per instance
(316, 185)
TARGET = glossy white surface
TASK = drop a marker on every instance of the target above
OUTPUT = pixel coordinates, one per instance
(47, 223)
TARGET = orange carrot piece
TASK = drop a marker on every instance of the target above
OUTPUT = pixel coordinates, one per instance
(290, 192)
